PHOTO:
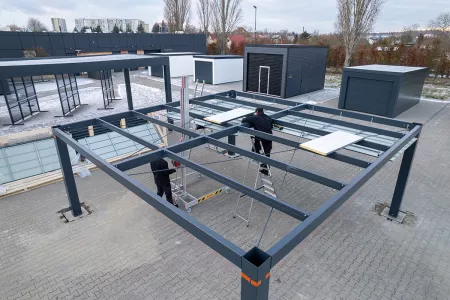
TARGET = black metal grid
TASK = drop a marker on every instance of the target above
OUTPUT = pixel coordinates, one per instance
(68, 92)
(107, 84)
(22, 102)
(256, 263)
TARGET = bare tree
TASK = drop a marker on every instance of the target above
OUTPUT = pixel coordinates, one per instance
(442, 22)
(35, 25)
(204, 14)
(14, 27)
(177, 13)
(226, 15)
(355, 20)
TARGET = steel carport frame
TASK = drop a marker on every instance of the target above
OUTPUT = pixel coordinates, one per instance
(256, 263)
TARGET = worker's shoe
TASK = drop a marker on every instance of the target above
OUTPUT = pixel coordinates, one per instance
(264, 171)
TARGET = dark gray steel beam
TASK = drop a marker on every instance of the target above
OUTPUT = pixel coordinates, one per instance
(347, 124)
(69, 179)
(323, 132)
(279, 165)
(126, 75)
(255, 194)
(165, 124)
(247, 103)
(266, 98)
(191, 114)
(294, 144)
(299, 233)
(148, 157)
(209, 105)
(402, 179)
(216, 242)
(128, 135)
(360, 116)
(167, 83)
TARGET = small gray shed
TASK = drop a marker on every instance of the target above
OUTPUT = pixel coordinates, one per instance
(381, 90)
(284, 70)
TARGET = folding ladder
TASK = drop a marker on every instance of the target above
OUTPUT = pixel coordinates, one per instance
(263, 183)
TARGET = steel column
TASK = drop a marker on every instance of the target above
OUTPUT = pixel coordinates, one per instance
(231, 141)
(402, 179)
(69, 179)
(167, 83)
(255, 275)
(126, 75)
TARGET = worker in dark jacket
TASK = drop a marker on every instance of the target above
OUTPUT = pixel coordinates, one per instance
(261, 122)
(161, 173)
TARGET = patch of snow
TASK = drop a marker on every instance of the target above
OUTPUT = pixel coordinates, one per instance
(51, 85)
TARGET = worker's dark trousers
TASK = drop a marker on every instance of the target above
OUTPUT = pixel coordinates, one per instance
(161, 189)
(267, 146)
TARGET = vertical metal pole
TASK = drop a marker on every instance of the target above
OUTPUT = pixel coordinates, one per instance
(69, 179)
(232, 141)
(402, 179)
(184, 105)
(255, 275)
(126, 74)
(167, 83)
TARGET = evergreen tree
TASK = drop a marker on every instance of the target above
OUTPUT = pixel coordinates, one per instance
(75, 30)
(97, 29)
(129, 28)
(140, 28)
(156, 28)
(115, 29)
(305, 35)
(83, 29)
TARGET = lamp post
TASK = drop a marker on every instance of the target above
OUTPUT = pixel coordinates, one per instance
(254, 6)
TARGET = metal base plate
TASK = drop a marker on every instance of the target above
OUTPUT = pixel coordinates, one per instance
(70, 218)
(400, 218)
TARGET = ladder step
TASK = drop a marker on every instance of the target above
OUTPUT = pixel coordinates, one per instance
(243, 195)
(270, 188)
(270, 193)
(267, 181)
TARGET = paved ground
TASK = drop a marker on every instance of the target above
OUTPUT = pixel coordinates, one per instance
(127, 250)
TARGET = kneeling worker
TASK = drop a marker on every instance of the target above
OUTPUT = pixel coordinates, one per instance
(261, 122)
(161, 173)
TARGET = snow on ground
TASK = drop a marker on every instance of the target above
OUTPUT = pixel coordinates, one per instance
(51, 85)
(436, 92)
(333, 80)
(143, 96)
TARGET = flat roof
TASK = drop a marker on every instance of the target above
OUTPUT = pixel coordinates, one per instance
(219, 56)
(285, 46)
(176, 53)
(76, 64)
(385, 69)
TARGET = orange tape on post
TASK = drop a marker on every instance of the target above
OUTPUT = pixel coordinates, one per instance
(245, 277)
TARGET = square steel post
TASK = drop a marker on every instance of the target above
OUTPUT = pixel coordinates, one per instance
(69, 179)
(232, 141)
(402, 179)
(255, 275)
(184, 105)
(126, 75)
(167, 83)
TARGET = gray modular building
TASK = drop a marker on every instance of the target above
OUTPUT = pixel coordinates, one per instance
(218, 69)
(382, 90)
(284, 70)
(13, 44)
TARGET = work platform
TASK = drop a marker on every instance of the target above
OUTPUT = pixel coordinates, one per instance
(382, 140)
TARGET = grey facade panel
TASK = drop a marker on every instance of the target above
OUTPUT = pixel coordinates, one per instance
(12, 44)
(306, 70)
(382, 90)
(204, 71)
(302, 67)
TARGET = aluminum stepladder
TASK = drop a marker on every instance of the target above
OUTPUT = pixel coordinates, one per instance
(263, 182)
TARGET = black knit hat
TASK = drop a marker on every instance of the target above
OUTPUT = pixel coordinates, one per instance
(259, 110)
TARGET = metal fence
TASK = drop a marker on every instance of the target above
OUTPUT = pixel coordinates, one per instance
(107, 83)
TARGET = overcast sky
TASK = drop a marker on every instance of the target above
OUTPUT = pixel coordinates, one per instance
(272, 14)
